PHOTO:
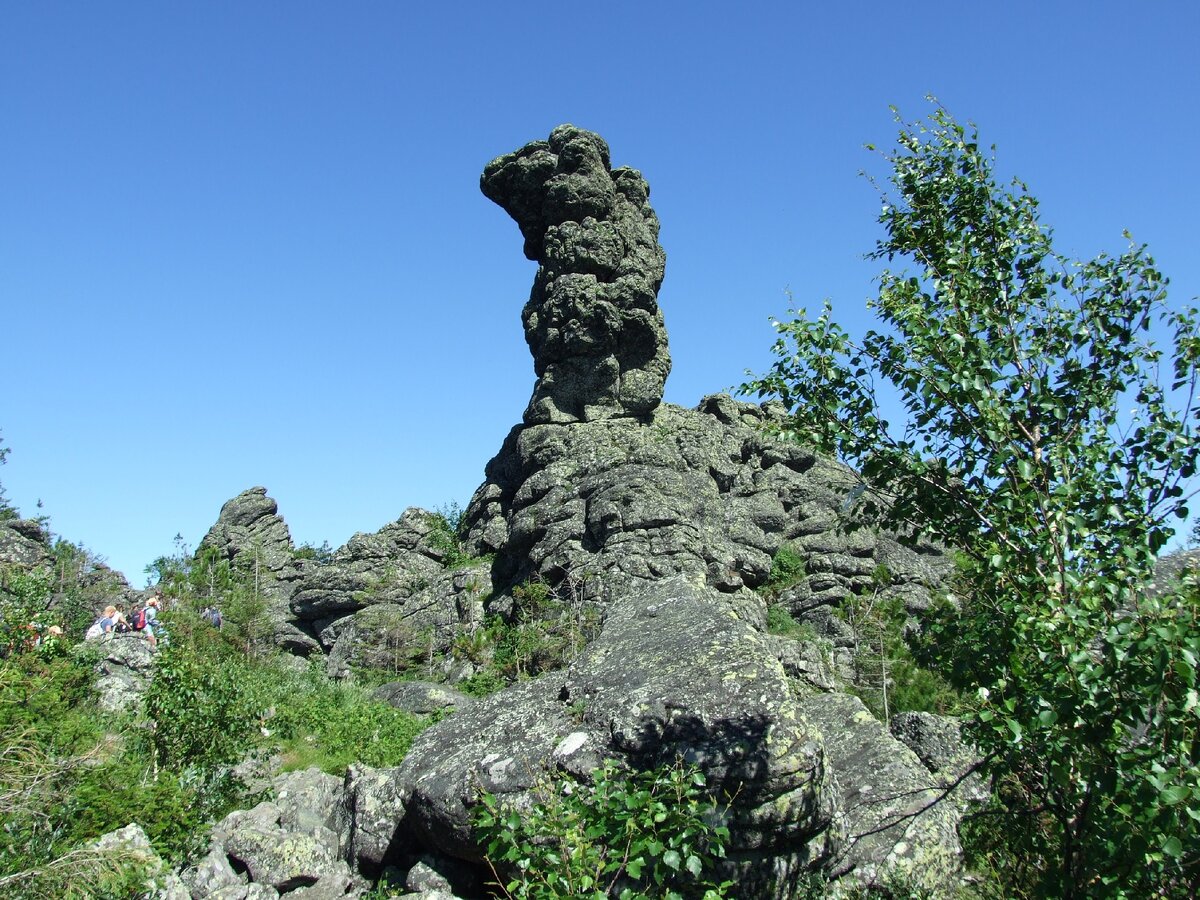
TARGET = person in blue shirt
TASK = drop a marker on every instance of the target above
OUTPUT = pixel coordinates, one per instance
(153, 626)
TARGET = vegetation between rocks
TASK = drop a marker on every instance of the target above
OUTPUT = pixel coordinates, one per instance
(632, 835)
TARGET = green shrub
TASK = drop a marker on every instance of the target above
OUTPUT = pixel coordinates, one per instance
(445, 526)
(633, 835)
(787, 568)
(780, 622)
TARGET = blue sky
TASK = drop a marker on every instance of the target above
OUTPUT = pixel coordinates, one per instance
(243, 243)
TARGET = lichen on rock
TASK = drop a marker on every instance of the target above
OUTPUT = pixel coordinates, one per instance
(592, 320)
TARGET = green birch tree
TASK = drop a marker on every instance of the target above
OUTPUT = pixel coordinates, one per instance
(1049, 441)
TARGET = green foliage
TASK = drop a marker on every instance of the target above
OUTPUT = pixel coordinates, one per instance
(236, 587)
(446, 535)
(322, 555)
(654, 833)
(549, 626)
(787, 568)
(886, 675)
(68, 777)
(24, 607)
(780, 622)
(316, 722)
(203, 715)
(1043, 447)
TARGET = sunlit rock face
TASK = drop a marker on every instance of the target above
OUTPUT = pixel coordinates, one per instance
(592, 321)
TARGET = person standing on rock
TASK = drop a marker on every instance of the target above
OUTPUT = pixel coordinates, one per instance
(152, 624)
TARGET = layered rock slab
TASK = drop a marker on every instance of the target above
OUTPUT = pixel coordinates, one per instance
(705, 493)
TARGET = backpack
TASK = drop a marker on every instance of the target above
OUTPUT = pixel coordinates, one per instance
(137, 619)
(93, 633)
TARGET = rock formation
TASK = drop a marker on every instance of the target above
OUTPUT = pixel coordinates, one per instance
(660, 523)
(592, 321)
(253, 537)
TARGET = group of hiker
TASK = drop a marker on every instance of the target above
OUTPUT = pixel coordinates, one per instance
(144, 619)
(141, 618)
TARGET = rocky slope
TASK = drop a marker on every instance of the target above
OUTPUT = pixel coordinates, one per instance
(655, 523)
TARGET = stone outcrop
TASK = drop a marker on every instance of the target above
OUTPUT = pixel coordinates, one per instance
(124, 671)
(133, 846)
(592, 321)
(253, 537)
(658, 522)
(705, 493)
(24, 543)
(309, 840)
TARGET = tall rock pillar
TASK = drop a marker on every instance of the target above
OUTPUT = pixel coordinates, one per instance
(592, 321)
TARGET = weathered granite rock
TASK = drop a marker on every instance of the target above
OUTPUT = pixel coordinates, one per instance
(309, 802)
(674, 673)
(212, 874)
(245, 892)
(414, 627)
(372, 806)
(705, 493)
(388, 566)
(250, 533)
(1169, 571)
(885, 800)
(938, 743)
(421, 698)
(124, 672)
(423, 878)
(24, 543)
(133, 846)
(274, 856)
(337, 882)
(592, 320)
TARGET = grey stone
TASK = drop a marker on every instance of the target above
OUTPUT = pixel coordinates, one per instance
(124, 672)
(245, 892)
(674, 673)
(332, 885)
(283, 860)
(592, 320)
(938, 743)
(211, 874)
(309, 801)
(24, 543)
(595, 507)
(890, 811)
(423, 877)
(421, 697)
(388, 566)
(250, 533)
(412, 630)
(372, 806)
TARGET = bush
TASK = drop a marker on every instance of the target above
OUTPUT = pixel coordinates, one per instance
(780, 622)
(641, 834)
(787, 568)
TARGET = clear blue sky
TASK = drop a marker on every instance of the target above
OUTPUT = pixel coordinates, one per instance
(243, 243)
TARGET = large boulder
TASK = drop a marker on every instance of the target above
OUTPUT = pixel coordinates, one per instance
(592, 321)
(24, 543)
(675, 673)
(894, 818)
(123, 672)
